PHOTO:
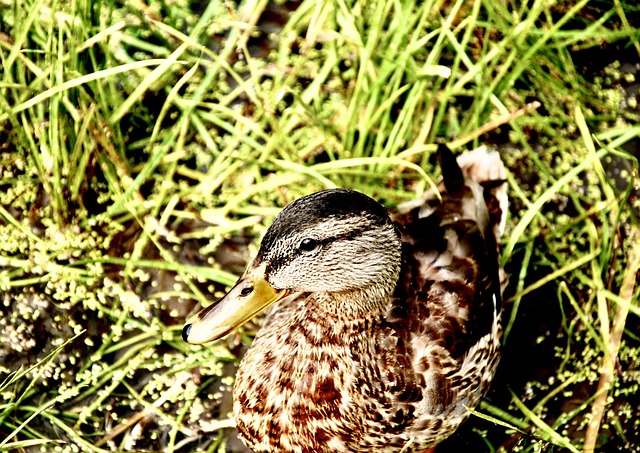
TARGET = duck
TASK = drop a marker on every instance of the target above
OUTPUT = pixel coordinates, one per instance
(383, 326)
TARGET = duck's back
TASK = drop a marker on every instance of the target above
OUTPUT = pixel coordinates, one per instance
(446, 310)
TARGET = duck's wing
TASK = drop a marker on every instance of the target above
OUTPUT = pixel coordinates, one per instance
(446, 307)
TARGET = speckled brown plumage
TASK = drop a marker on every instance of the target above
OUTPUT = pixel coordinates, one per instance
(393, 361)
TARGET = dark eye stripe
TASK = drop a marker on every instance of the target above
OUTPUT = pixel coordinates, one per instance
(280, 261)
(351, 234)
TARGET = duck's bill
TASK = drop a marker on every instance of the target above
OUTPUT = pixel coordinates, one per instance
(250, 295)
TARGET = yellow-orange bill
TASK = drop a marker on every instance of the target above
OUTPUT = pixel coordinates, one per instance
(250, 295)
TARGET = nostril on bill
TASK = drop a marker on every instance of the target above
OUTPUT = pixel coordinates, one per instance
(244, 292)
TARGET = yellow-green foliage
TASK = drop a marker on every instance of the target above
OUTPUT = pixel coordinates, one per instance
(144, 145)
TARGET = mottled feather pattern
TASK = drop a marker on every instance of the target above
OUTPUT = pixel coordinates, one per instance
(316, 380)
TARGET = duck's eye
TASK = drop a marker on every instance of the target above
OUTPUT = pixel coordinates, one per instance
(308, 244)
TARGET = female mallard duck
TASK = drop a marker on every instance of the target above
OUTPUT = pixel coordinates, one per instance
(384, 329)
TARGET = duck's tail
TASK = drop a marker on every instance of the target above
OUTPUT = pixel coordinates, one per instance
(484, 166)
(477, 180)
(473, 187)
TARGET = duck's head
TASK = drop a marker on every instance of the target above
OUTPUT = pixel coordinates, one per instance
(329, 242)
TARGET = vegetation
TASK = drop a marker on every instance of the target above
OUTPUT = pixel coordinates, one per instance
(143, 146)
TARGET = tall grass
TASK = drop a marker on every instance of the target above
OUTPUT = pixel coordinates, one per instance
(143, 145)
